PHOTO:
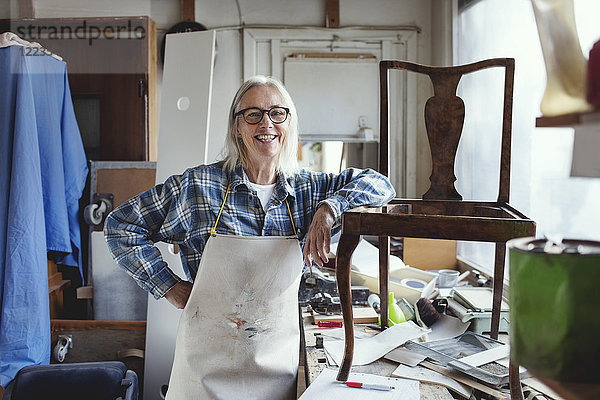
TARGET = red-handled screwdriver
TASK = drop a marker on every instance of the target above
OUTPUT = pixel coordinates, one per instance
(329, 324)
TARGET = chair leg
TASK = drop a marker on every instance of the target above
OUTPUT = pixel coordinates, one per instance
(498, 287)
(514, 382)
(346, 247)
(384, 279)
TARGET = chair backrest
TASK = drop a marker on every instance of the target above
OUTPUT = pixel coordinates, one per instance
(444, 118)
(106, 380)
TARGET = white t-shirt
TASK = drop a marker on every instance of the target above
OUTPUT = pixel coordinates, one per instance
(264, 193)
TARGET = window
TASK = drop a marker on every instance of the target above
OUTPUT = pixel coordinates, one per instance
(541, 185)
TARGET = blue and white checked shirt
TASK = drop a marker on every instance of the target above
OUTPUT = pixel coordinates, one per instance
(184, 209)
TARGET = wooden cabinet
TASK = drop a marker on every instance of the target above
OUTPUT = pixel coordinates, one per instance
(111, 64)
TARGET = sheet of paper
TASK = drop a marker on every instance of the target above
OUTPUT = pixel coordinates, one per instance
(486, 356)
(447, 327)
(326, 387)
(368, 350)
(427, 375)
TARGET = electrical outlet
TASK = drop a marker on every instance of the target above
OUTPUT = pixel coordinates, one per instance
(363, 121)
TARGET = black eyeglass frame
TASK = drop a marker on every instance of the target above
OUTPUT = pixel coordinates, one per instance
(263, 112)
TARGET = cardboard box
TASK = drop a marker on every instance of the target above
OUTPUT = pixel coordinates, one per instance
(429, 254)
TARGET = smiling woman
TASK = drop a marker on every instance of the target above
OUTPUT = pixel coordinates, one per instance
(269, 96)
(240, 224)
(262, 138)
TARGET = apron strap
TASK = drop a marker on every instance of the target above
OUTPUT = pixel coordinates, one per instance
(291, 219)
(214, 229)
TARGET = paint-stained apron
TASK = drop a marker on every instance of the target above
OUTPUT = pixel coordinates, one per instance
(239, 336)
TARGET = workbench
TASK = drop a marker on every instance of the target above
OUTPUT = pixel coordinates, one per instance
(313, 361)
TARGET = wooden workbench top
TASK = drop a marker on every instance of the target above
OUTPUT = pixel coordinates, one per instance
(315, 361)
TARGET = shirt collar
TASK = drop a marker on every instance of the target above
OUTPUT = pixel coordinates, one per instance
(283, 188)
(237, 177)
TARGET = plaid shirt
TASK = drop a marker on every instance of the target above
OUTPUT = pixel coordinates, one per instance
(184, 209)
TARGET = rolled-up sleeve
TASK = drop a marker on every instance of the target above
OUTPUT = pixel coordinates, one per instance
(354, 188)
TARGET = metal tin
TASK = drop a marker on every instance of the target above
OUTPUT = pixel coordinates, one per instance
(555, 324)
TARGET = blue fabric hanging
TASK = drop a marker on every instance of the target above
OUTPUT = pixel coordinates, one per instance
(43, 172)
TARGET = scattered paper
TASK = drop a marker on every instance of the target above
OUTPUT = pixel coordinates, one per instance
(326, 387)
(371, 349)
(426, 375)
(447, 327)
(404, 356)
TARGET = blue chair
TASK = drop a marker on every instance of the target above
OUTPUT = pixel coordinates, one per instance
(107, 380)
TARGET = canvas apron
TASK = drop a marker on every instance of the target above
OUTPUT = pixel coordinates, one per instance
(238, 335)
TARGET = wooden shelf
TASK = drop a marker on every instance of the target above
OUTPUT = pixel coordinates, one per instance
(56, 287)
(336, 138)
(568, 120)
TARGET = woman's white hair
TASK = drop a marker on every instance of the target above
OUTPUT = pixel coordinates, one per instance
(234, 148)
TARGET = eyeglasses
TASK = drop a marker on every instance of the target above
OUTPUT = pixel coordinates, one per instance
(254, 115)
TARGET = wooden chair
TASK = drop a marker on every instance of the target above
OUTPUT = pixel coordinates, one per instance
(441, 213)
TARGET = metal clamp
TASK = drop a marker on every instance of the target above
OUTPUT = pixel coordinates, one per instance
(65, 342)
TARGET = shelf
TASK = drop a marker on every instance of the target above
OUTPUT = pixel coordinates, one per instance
(568, 120)
(336, 138)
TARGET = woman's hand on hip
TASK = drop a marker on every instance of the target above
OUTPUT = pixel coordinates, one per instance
(318, 238)
(179, 294)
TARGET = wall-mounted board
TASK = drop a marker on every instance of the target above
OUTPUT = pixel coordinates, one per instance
(334, 96)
